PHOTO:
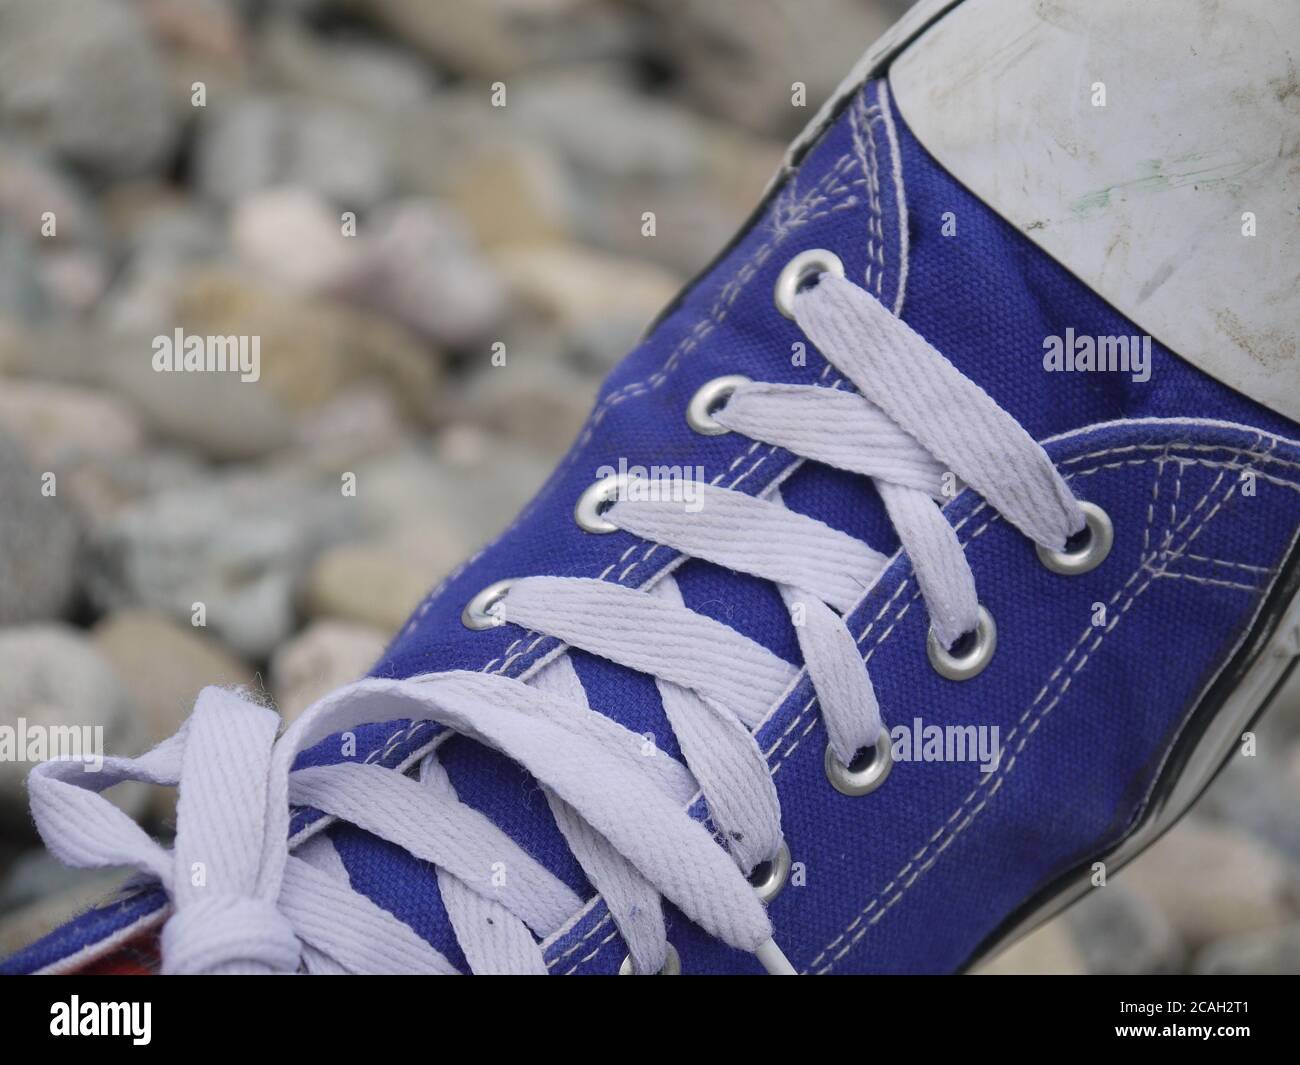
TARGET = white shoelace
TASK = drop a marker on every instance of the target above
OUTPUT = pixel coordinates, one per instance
(241, 902)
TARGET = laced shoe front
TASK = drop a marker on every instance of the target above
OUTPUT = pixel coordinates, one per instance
(665, 723)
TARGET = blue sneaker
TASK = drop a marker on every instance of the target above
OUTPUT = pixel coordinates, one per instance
(923, 564)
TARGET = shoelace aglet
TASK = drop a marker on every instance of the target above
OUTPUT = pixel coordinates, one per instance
(774, 961)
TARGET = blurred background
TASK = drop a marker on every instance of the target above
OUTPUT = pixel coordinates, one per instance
(331, 175)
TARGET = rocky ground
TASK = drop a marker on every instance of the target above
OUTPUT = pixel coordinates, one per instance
(475, 225)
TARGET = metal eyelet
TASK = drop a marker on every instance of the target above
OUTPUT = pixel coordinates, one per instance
(478, 613)
(672, 965)
(803, 267)
(867, 771)
(769, 877)
(970, 662)
(589, 511)
(710, 396)
(1091, 553)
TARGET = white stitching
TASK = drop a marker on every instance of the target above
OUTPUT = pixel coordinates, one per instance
(1003, 771)
(605, 919)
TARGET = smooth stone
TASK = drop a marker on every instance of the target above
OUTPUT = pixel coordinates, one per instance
(1121, 933)
(1047, 951)
(164, 665)
(365, 584)
(324, 656)
(53, 676)
(39, 541)
(1212, 882)
(85, 80)
(240, 546)
(1275, 952)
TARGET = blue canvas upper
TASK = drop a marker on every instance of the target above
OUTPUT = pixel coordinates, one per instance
(913, 877)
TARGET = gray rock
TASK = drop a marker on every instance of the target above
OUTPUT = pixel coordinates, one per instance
(367, 584)
(418, 264)
(1272, 953)
(163, 231)
(164, 665)
(361, 423)
(1118, 932)
(1214, 882)
(31, 185)
(364, 73)
(1047, 951)
(1281, 724)
(22, 294)
(512, 191)
(261, 141)
(61, 426)
(38, 543)
(83, 77)
(630, 154)
(494, 38)
(43, 271)
(51, 676)
(403, 496)
(605, 128)
(217, 414)
(311, 351)
(600, 304)
(324, 656)
(1257, 794)
(239, 546)
(291, 236)
(100, 489)
(532, 399)
(738, 59)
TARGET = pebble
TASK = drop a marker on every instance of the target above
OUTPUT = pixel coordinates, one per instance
(1048, 950)
(239, 546)
(355, 71)
(1118, 932)
(60, 426)
(310, 353)
(84, 79)
(289, 235)
(513, 192)
(1275, 952)
(419, 265)
(343, 153)
(39, 541)
(324, 656)
(602, 303)
(493, 38)
(1255, 793)
(1212, 882)
(51, 675)
(533, 399)
(739, 63)
(366, 584)
(164, 665)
